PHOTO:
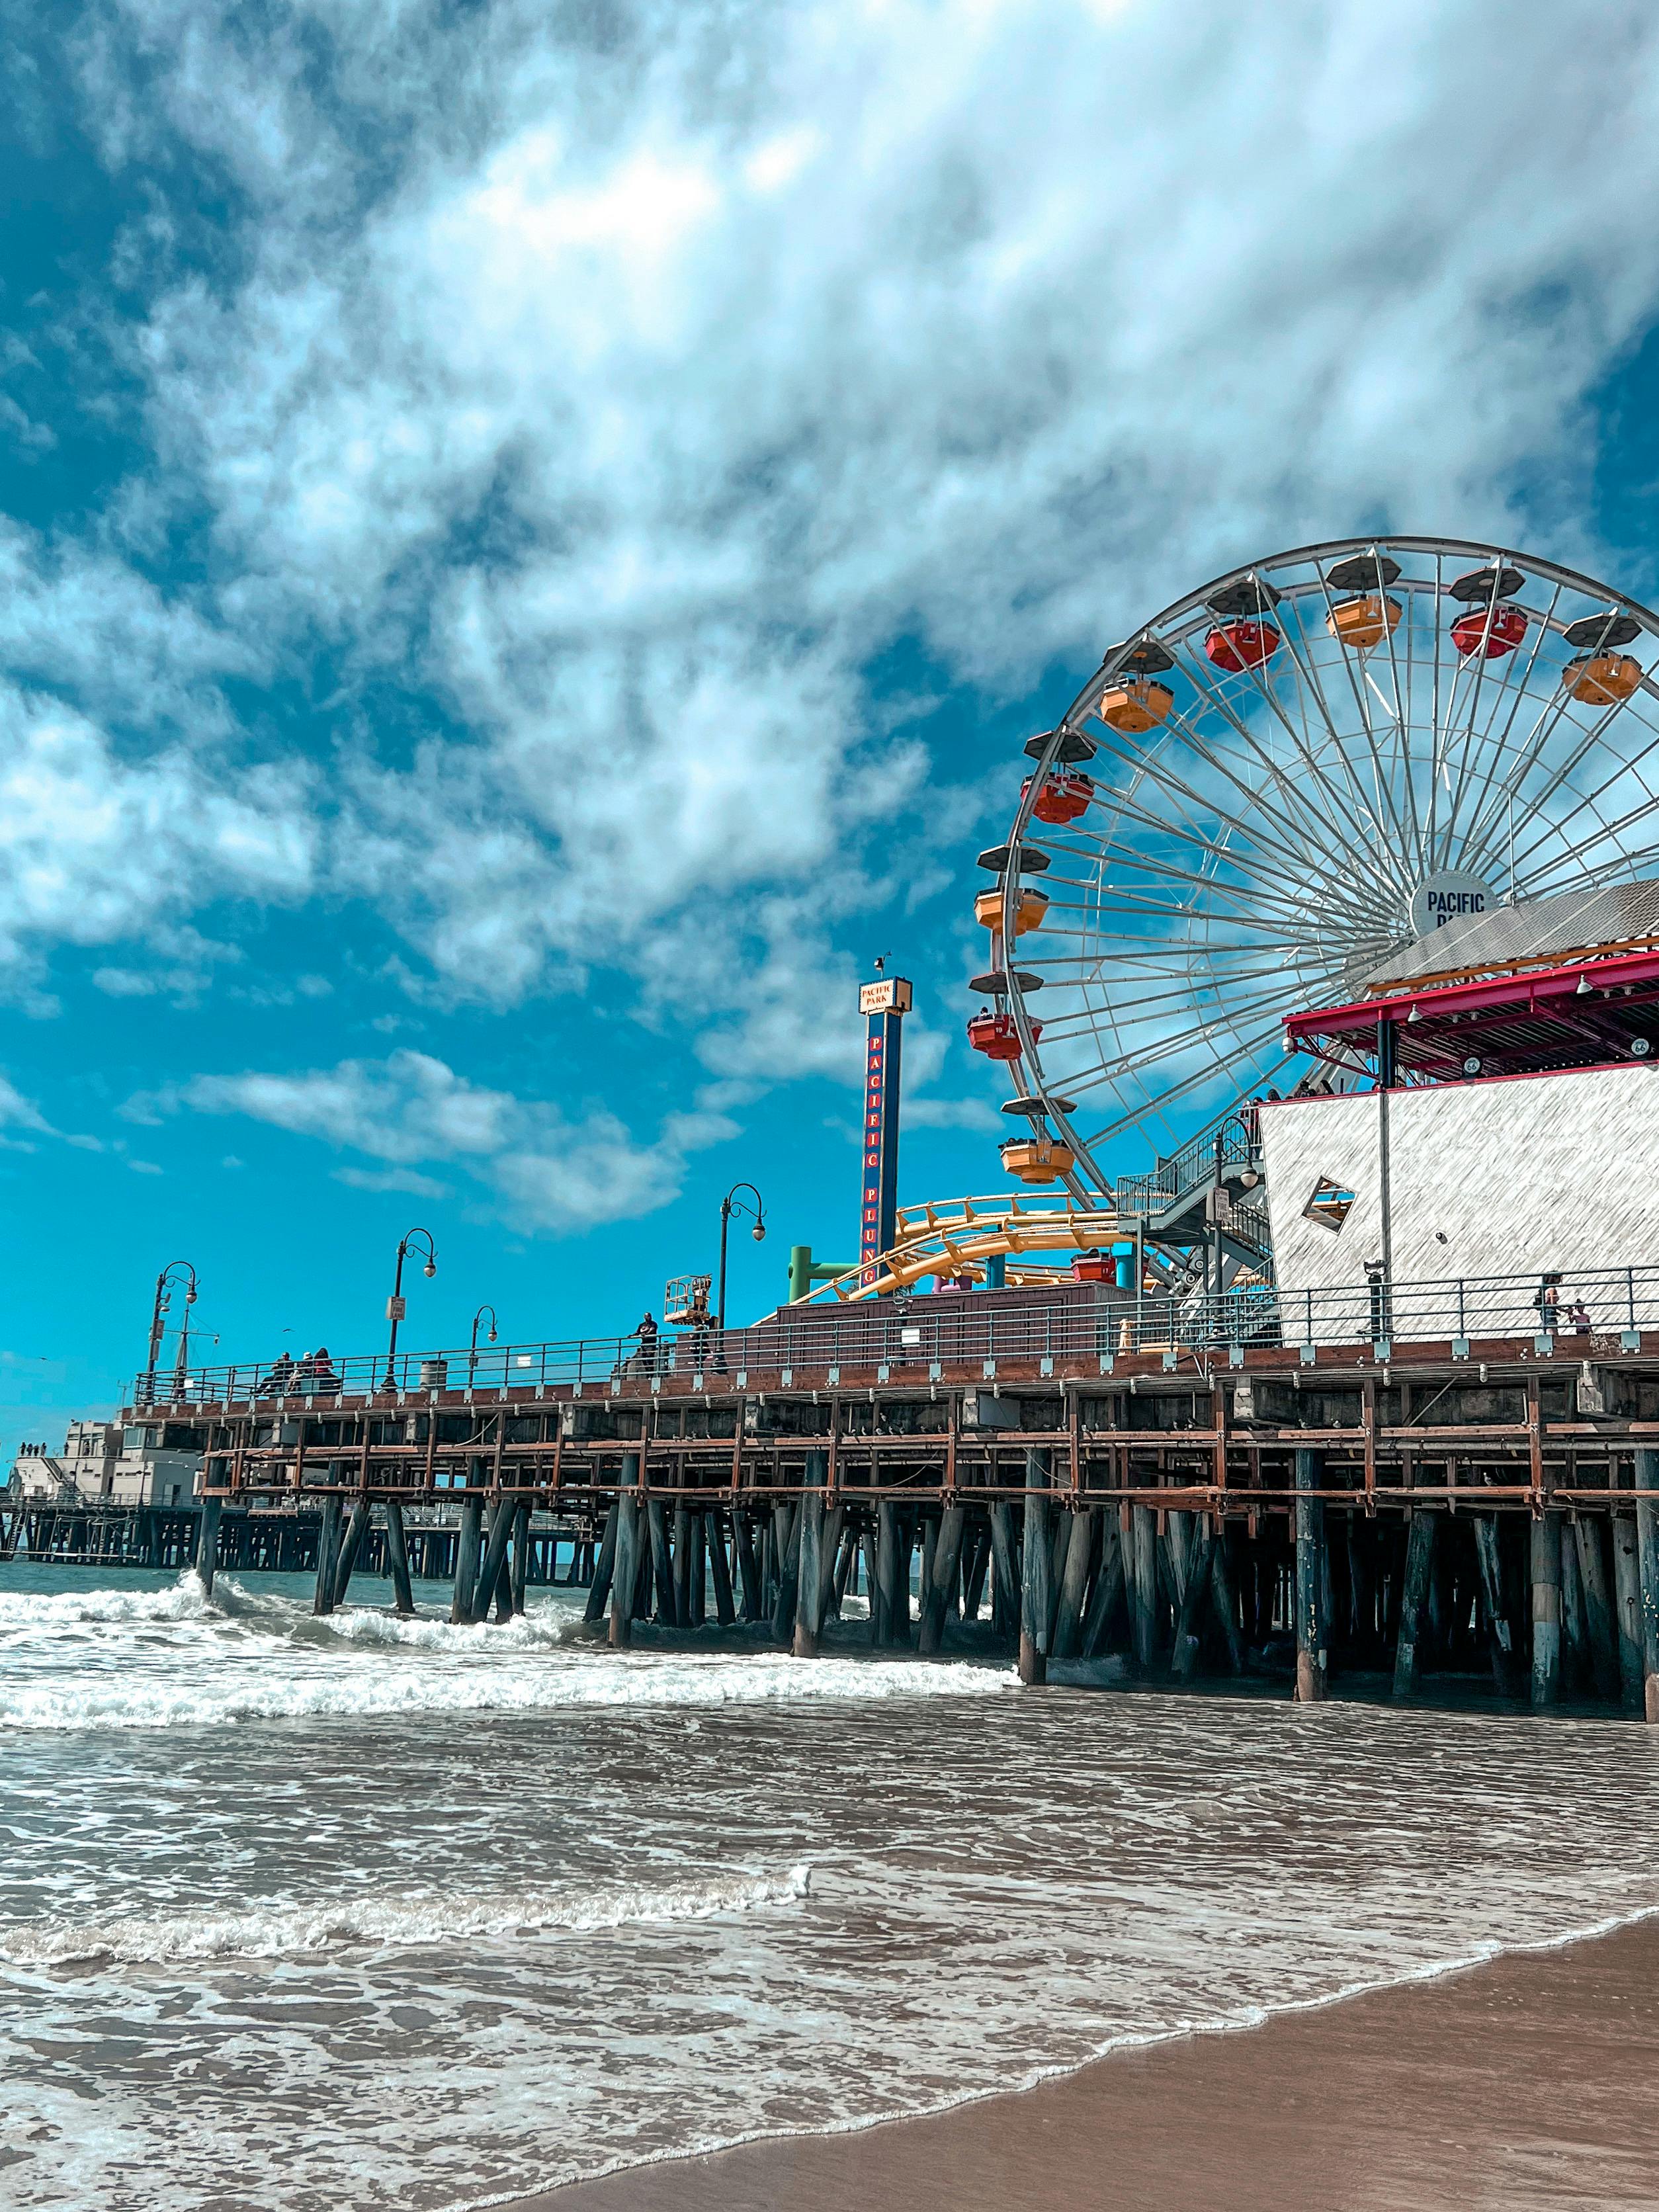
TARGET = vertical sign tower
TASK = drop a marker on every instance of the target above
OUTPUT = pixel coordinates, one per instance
(885, 1006)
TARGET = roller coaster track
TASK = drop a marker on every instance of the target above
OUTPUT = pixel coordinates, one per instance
(958, 1235)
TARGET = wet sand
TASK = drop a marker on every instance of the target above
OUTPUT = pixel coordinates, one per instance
(1531, 2082)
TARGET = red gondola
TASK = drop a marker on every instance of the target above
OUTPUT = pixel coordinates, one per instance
(995, 1035)
(1061, 798)
(1233, 646)
(1470, 633)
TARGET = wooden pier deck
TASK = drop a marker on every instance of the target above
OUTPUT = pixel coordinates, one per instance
(1451, 1507)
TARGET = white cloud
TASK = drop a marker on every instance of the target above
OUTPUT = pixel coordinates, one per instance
(624, 401)
(542, 1167)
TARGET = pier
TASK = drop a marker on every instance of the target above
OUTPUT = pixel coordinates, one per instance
(1077, 1476)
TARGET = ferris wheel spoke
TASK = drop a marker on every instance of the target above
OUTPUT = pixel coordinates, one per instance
(1562, 778)
(1297, 855)
(1318, 829)
(1518, 689)
(1575, 853)
(1372, 801)
(1168, 1044)
(1246, 1046)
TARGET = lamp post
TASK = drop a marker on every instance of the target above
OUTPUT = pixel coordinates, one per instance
(731, 1204)
(396, 1305)
(167, 1282)
(472, 1354)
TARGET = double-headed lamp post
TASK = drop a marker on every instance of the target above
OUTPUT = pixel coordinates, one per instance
(731, 1204)
(472, 1355)
(174, 1272)
(416, 1240)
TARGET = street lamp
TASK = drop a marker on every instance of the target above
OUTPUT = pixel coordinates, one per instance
(731, 1204)
(167, 1282)
(472, 1356)
(396, 1306)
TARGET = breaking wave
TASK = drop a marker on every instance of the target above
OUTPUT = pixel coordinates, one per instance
(280, 1931)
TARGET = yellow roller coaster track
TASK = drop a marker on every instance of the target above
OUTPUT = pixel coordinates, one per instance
(956, 1235)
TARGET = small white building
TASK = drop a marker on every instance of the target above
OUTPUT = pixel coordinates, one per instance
(156, 1464)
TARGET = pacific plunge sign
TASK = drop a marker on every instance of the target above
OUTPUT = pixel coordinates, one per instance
(1448, 894)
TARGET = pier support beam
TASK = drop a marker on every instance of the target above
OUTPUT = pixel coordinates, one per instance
(1490, 1564)
(786, 1546)
(1547, 1610)
(356, 1529)
(207, 1544)
(605, 1568)
(1598, 1605)
(1036, 1560)
(1005, 1568)
(462, 1593)
(1647, 1568)
(936, 1591)
(627, 1572)
(719, 1567)
(1142, 1575)
(502, 1515)
(1081, 1529)
(809, 1559)
(328, 1546)
(1627, 1610)
(1108, 1593)
(1194, 1599)
(1413, 1601)
(1312, 1579)
(397, 1557)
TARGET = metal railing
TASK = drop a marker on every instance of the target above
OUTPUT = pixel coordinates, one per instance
(965, 1328)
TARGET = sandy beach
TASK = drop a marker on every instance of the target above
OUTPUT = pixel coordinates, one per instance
(1526, 2083)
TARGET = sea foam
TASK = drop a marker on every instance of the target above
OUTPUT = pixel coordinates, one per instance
(293, 1927)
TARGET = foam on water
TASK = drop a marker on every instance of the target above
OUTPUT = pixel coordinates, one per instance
(291, 1928)
(171, 1658)
(481, 1910)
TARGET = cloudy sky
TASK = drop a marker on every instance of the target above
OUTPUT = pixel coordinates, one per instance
(532, 537)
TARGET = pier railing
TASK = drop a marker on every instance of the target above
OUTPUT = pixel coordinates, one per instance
(907, 1338)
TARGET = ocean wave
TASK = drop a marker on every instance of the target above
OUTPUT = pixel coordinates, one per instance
(248, 1689)
(183, 1601)
(288, 1929)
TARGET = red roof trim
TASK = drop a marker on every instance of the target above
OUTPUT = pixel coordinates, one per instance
(1524, 989)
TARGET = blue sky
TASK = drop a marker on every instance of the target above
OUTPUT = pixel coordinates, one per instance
(531, 541)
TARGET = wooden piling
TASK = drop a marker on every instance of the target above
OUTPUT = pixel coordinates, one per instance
(1647, 1569)
(1195, 1601)
(1082, 1538)
(207, 1544)
(724, 1611)
(397, 1557)
(830, 1552)
(464, 1593)
(1143, 1586)
(1599, 1632)
(1225, 1598)
(1312, 1631)
(1107, 1595)
(699, 1568)
(629, 1563)
(502, 1514)
(662, 1560)
(1546, 1609)
(1035, 1565)
(1575, 1641)
(520, 1558)
(1005, 1588)
(941, 1579)
(785, 1551)
(1413, 1601)
(682, 1576)
(1489, 1565)
(809, 1568)
(1628, 1610)
(328, 1546)
(605, 1568)
(350, 1545)
(975, 1563)
(743, 1540)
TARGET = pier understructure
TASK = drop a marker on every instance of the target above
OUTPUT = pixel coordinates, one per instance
(1373, 1511)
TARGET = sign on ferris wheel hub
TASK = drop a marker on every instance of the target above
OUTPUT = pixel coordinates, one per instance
(1448, 894)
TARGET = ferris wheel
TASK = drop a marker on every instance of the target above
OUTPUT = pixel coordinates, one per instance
(1272, 787)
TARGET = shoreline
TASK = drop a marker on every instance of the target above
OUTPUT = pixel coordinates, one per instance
(1524, 2080)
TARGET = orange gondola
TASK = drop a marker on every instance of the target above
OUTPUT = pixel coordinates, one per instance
(1603, 679)
(1030, 907)
(1037, 1159)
